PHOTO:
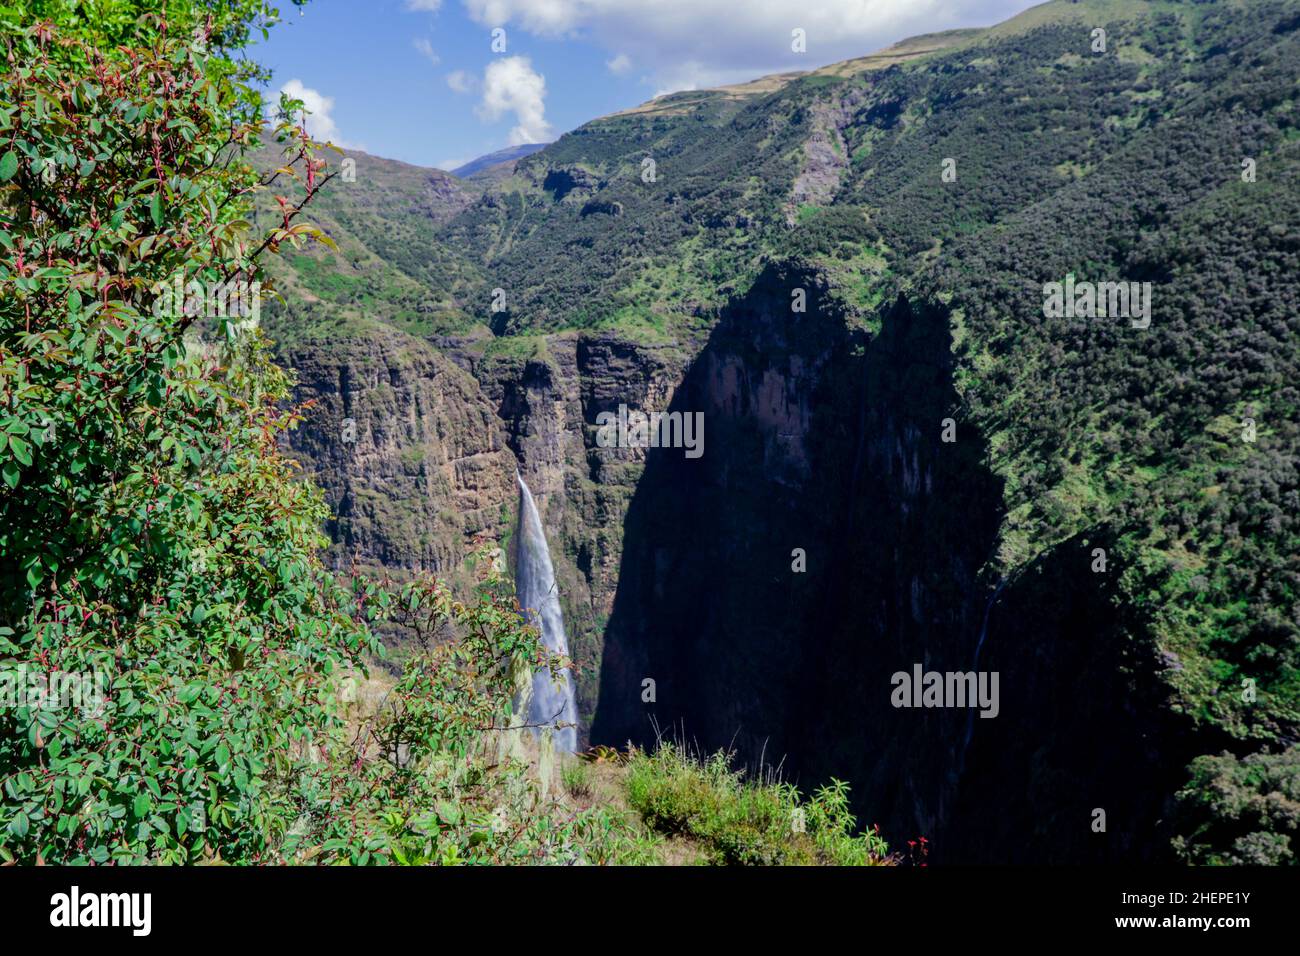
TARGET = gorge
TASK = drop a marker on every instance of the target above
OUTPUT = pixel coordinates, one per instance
(922, 317)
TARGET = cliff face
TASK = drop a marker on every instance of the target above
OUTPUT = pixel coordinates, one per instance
(826, 539)
(412, 458)
(416, 447)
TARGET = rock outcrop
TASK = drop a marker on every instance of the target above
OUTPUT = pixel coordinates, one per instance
(412, 458)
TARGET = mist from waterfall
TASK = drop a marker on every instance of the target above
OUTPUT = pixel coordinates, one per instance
(551, 701)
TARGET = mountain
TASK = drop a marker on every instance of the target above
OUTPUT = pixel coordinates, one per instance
(507, 155)
(925, 464)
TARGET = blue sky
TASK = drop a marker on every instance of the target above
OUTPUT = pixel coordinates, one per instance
(420, 81)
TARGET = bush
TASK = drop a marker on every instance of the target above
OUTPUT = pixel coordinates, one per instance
(576, 777)
(1241, 810)
(154, 544)
(432, 776)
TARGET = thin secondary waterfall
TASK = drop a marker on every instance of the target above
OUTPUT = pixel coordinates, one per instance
(975, 666)
(552, 701)
(979, 646)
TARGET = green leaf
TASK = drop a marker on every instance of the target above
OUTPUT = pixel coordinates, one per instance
(8, 165)
(155, 210)
(22, 451)
(19, 824)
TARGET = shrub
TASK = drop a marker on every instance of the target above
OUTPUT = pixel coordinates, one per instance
(152, 538)
(576, 776)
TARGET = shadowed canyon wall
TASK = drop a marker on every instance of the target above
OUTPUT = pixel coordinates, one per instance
(824, 445)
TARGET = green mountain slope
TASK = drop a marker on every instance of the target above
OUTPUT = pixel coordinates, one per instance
(391, 267)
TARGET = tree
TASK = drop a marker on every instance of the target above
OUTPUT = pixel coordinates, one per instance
(169, 636)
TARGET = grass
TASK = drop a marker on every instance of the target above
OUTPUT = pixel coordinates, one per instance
(577, 779)
(748, 822)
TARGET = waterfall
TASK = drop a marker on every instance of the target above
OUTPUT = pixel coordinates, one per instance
(979, 645)
(551, 701)
(975, 666)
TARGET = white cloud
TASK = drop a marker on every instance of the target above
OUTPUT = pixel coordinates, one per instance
(426, 6)
(619, 65)
(426, 50)
(538, 16)
(320, 124)
(684, 43)
(511, 85)
(460, 81)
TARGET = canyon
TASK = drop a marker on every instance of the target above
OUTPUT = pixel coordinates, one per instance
(921, 320)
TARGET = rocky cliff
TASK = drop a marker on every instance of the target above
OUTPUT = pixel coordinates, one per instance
(548, 402)
(412, 458)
